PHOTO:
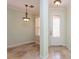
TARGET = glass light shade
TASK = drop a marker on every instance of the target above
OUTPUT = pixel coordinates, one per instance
(57, 2)
(26, 19)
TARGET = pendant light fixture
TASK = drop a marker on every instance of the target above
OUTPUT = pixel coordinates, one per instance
(57, 2)
(26, 18)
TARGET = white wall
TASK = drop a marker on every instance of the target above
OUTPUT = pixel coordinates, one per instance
(69, 27)
(62, 13)
(19, 32)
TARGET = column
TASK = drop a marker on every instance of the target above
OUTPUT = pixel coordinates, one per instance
(43, 29)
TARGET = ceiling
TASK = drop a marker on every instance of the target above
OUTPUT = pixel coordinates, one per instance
(19, 5)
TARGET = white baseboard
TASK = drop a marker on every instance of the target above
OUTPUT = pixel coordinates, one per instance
(18, 44)
(57, 44)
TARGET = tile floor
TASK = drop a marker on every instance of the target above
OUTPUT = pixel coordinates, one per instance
(31, 51)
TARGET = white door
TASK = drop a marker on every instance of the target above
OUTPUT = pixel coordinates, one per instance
(57, 29)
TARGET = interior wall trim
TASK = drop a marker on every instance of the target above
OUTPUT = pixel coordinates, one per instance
(15, 45)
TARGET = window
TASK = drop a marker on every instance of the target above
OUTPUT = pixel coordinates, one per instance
(37, 26)
(56, 26)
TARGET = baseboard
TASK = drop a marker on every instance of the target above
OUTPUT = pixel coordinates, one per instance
(15, 45)
(57, 45)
